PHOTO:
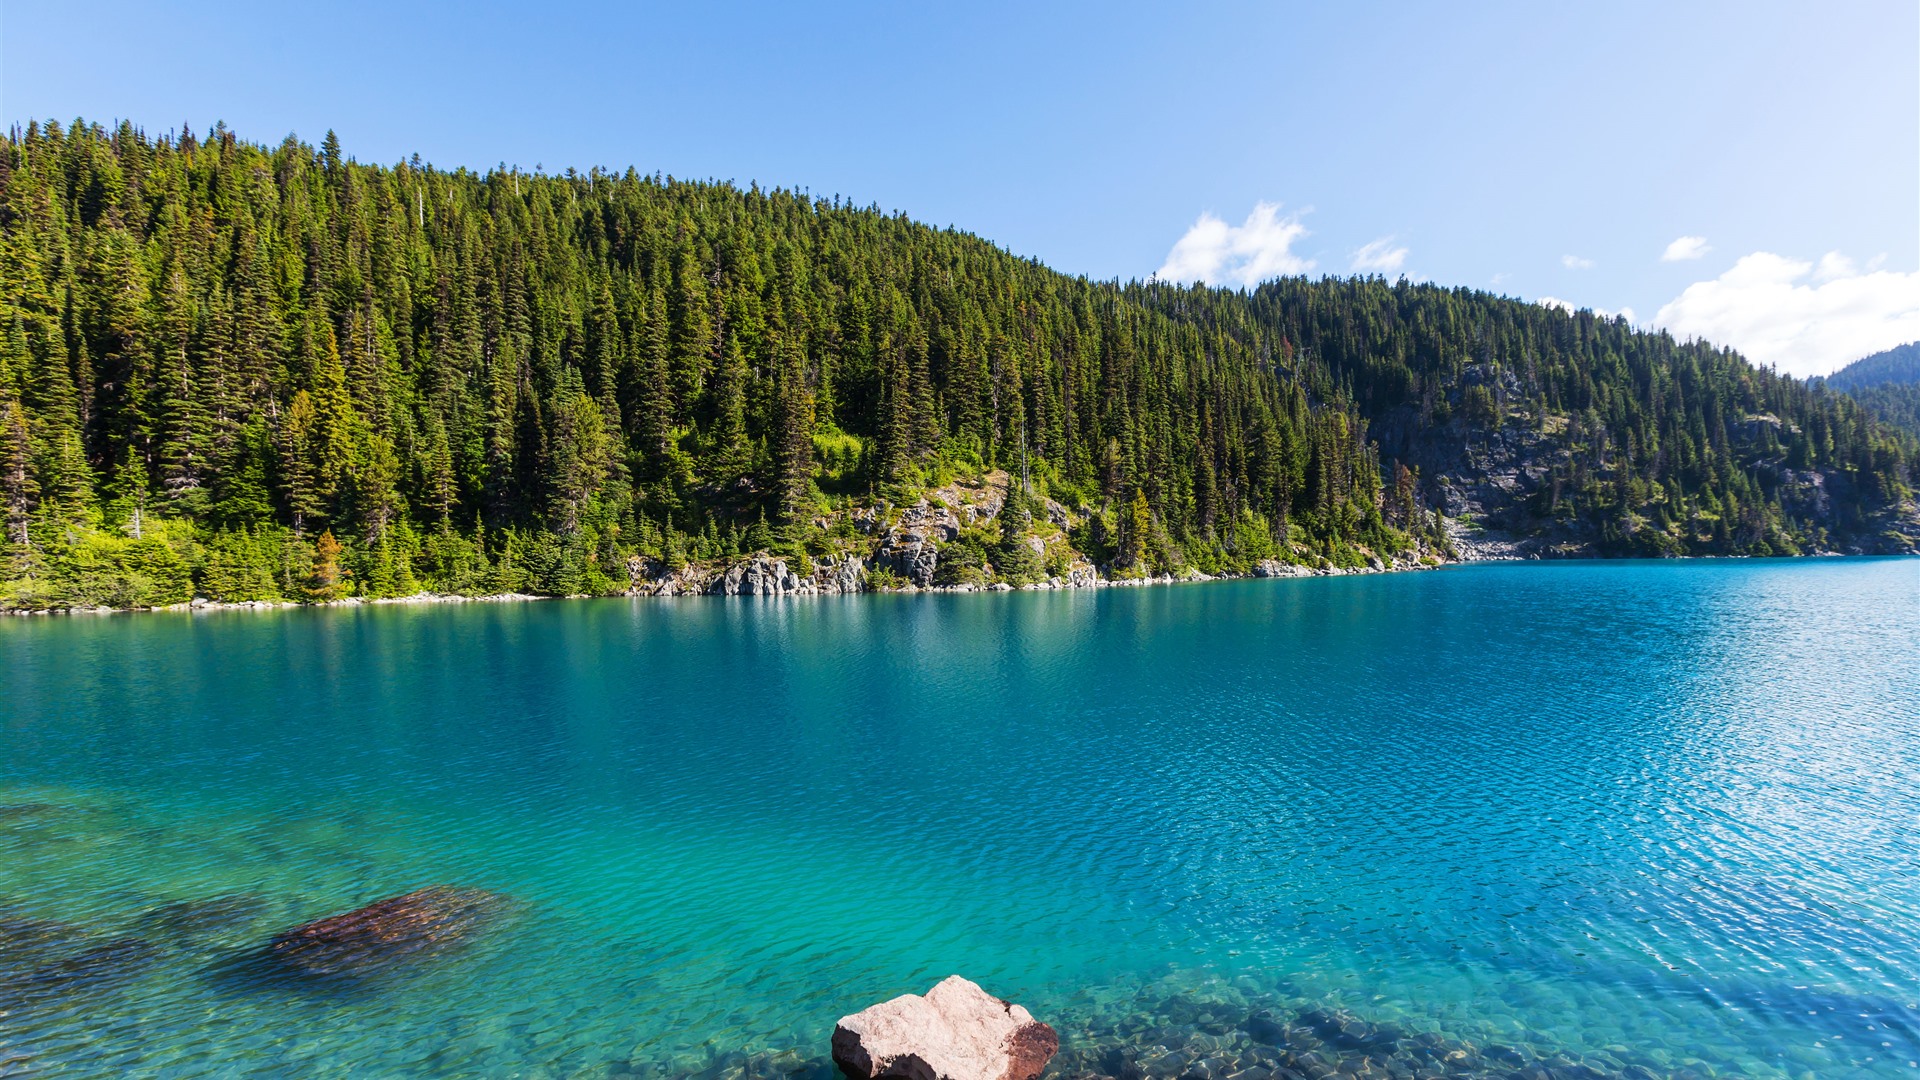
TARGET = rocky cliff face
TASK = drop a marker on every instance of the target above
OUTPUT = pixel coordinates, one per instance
(910, 537)
(910, 546)
(1496, 487)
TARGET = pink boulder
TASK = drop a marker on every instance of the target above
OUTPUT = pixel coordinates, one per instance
(956, 1032)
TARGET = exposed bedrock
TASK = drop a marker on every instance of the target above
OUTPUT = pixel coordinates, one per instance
(760, 574)
(956, 1032)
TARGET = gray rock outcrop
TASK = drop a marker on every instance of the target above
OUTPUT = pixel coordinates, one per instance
(1268, 568)
(910, 547)
(915, 560)
(649, 577)
(956, 1032)
(762, 575)
(848, 575)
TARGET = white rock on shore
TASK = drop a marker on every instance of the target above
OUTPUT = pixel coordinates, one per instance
(956, 1032)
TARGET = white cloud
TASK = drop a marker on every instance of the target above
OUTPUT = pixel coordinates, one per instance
(1687, 247)
(1379, 256)
(1575, 262)
(1246, 254)
(1803, 320)
(1834, 266)
(1570, 307)
(1500, 279)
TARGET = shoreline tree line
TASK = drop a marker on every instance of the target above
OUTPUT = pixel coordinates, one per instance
(246, 372)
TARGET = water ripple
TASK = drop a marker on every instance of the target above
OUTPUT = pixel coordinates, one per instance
(1654, 816)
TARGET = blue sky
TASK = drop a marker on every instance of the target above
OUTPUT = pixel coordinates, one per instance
(1553, 152)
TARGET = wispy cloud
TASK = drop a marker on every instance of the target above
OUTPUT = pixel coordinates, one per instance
(1803, 318)
(1256, 250)
(1575, 262)
(1570, 307)
(1379, 256)
(1686, 247)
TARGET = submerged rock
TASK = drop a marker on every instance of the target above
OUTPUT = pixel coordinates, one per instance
(107, 962)
(956, 1032)
(420, 923)
(1264, 1027)
(191, 920)
(106, 966)
(27, 942)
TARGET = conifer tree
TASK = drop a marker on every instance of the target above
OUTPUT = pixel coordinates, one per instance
(793, 433)
(18, 490)
(653, 395)
(1134, 532)
(328, 579)
(728, 453)
(441, 490)
(299, 482)
(581, 453)
(1014, 561)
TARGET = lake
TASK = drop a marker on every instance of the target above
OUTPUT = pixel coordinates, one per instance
(1633, 818)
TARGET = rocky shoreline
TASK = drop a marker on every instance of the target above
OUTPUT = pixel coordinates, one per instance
(910, 548)
(765, 574)
(203, 604)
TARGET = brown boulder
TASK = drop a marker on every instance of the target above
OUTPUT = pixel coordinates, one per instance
(956, 1032)
(420, 923)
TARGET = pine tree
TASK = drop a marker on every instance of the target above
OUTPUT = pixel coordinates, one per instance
(793, 434)
(1134, 532)
(375, 484)
(299, 483)
(653, 393)
(18, 489)
(442, 492)
(1014, 561)
(694, 349)
(581, 454)
(728, 455)
(334, 421)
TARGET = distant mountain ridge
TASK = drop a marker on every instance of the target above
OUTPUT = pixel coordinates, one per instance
(1900, 364)
(1886, 383)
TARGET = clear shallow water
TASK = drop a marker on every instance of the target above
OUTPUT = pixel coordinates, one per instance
(1659, 814)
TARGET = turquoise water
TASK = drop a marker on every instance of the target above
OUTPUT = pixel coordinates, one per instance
(1654, 816)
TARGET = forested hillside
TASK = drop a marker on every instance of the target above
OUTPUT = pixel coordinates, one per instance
(1887, 383)
(239, 371)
